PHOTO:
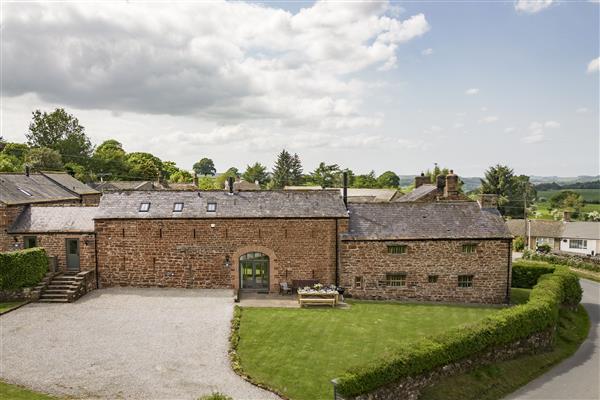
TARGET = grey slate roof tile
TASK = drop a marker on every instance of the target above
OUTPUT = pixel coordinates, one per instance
(418, 193)
(41, 189)
(251, 204)
(436, 220)
(70, 183)
(55, 219)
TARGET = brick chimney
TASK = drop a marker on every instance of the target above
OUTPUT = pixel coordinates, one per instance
(488, 200)
(440, 182)
(451, 188)
(566, 216)
(421, 180)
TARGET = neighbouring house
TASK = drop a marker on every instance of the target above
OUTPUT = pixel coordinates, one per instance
(111, 186)
(432, 251)
(446, 188)
(242, 185)
(21, 190)
(582, 237)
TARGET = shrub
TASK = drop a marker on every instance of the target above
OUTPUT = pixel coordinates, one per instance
(525, 274)
(568, 260)
(519, 243)
(544, 248)
(22, 268)
(504, 327)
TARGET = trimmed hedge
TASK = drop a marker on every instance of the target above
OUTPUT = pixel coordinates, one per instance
(502, 328)
(570, 261)
(22, 268)
(525, 274)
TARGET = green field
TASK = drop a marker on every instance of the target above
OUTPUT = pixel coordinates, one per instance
(589, 195)
(543, 209)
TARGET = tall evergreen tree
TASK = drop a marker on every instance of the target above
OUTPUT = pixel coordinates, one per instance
(282, 172)
(256, 173)
(296, 170)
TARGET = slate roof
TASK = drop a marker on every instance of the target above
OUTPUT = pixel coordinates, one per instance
(124, 185)
(437, 220)
(418, 193)
(357, 195)
(70, 183)
(251, 204)
(581, 230)
(15, 186)
(55, 219)
(539, 228)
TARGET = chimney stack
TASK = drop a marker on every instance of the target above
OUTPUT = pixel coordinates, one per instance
(440, 182)
(230, 184)
(27, 170)
(345, 189)
(195, 179)
(421, 180)
(451, 188)
(488, 200)
(567, 216)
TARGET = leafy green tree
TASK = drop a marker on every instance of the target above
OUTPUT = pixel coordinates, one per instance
(2, 143)
(10, 163)
(207, 183)
(17, 150)
(232, 172)
(388, 179)
(205, 166)
(366, 181)
(181, 176)
(79, 172)
(282, 172)
(256, 173)
(44, 158)
(351, 177)
(567, 200)
(325, 175)
(62, 132)
(512, 191)
(143, 166)
(109, 160)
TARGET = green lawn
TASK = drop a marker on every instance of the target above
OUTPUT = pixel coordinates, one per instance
(298, 351)
(496, 381)
(543, 209)
(8, 305)
(13, 392)
(519, 296)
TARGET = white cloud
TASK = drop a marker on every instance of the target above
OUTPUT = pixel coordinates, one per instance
(413, 144)
(536, 131)
(458, 125)
(427, 52)
(489, 119)
(533, 138)
(510, 129)
(551, 124)
(472, 91)
(593, 66)
(532, 6)
(222, 62)
(582, 110)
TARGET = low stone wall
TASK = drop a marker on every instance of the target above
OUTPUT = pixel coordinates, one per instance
(87, 283)
(410, 388)
(24, 294)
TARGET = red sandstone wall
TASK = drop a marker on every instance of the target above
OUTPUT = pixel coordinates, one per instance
(191, 253)
(55, 245)
(371, 261)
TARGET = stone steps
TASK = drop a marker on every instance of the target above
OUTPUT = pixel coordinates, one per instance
(60, 289)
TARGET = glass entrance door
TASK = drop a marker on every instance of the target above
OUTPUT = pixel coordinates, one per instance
(254, 271)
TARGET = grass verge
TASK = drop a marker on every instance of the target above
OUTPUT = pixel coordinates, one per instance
(14, 392)
(296, 352)
(519, 296)
(4, 307)
(592, 276)
(496, 381)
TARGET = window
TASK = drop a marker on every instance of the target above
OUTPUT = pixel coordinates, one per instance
(544, 240)
(397, 249)
(358, 282)
(577, 244)
(177, 207)
(24, 191)
(30, 241)
(469, 248)
(211, 207)
(395, 280)
(432, 278)
(465, 281)
(144, 207)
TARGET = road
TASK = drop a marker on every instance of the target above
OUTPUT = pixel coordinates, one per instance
(577, 377)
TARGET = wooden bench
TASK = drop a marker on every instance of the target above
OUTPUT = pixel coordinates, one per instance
(300, 283)
(318, 301)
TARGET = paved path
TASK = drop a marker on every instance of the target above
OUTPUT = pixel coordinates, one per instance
(125, 344)
(577, 377)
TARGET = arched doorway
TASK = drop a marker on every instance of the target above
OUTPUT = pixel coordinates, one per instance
(254, 271)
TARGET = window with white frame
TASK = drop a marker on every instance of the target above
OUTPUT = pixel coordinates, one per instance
(177, 207)
(144, 206)
(578, 244)
(211, 206)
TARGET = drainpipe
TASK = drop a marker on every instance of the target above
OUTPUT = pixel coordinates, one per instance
(337, 254)
(508, 271)
(96, 257)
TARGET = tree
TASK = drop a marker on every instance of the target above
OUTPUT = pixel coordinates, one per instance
(206, 166)
(44, 158)
(512, 191)
(79, 172)
(109, 159)
(9, 163)
(325, 175)
(62, 132)
(296, 170)
(256, 173)
(388, 179)
(567, 200)
(232, 172)
(17, 150)
(282, 172)
(143, 166)
(366, 181)
(207, 183)
(181, 176)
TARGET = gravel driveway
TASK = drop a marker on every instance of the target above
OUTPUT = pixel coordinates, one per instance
(125, 343)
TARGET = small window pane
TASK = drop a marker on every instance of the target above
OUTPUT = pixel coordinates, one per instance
(358, 282)
(177, 207)
(465, 281)
(577, 244)
(469, 248)
(30, 242)
(397, 249)
(144, 207)
(432, 278)
(211, 207)
(395, 280)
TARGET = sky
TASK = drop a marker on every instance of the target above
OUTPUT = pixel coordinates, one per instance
(367, 85)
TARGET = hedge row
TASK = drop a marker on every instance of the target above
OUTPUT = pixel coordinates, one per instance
(570, 261)
(504, 327)
(22, 268)
(525, 274)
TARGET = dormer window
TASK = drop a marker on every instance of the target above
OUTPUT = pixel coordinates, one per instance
(211, 207)
(25, 192)
(177, 207)
(144, 207)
